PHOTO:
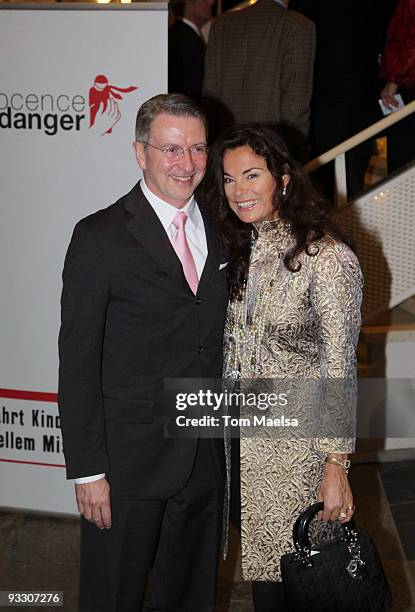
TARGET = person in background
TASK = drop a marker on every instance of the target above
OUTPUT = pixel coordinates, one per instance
(186, 47)
(294, 315)
(350, 36)
(398, 70)
(259, 67)
(144, 299)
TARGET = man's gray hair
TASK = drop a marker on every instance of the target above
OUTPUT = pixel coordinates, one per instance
(169, 104)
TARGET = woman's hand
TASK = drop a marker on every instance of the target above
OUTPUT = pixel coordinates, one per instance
(336, 494)
(388, 95)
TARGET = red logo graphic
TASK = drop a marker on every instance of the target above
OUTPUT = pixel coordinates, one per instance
(103, 100)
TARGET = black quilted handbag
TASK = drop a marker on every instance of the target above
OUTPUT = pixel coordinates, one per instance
(341, 575)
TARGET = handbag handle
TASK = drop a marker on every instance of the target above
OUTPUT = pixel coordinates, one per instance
(356, 566)
(301, 525)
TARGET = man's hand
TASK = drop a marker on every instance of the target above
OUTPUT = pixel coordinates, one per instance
(388, 95)
(336, 494)
(93, 500)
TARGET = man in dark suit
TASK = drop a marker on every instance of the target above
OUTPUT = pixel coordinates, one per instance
(186, 47)
(144, 299)
(350, 36)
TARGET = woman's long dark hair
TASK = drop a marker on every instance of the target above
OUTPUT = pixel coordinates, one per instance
(302, 207)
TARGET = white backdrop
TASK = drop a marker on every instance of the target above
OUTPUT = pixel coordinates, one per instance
(49, 60)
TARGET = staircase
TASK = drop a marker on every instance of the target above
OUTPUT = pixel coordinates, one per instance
(381, 224)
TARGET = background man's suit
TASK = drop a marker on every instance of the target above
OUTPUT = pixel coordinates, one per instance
(350, 36)
(130, 320)
(186, 60)
(259, 66)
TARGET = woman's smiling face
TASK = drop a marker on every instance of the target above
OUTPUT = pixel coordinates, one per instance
(249, 185)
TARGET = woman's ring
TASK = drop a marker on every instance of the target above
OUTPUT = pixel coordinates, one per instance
(351, 508)
(343, 514)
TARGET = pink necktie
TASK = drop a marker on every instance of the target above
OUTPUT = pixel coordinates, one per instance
(183, 252)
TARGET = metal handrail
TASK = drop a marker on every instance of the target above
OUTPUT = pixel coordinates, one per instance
(338, 153)
(357, 139)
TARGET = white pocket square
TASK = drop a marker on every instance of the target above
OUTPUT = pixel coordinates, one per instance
(221, 266)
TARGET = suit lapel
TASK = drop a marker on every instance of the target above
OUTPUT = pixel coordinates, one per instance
(146, 228)
(212, 260)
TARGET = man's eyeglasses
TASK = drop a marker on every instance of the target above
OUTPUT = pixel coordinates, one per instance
(172, 151)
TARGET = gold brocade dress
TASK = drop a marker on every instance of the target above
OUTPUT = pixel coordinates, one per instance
(293, 326)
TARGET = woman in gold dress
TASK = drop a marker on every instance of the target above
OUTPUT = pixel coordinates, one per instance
(294, 314)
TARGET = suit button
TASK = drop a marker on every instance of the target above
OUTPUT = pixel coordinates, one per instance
(198, 301)
(200, 349)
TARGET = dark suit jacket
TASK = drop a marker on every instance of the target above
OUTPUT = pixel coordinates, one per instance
(186, 60)
(130, 320)
(350, 36)
(259, 65)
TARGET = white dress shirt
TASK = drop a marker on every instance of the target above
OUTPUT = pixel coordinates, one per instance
(196, 237)
(194, 228)
(192, 25)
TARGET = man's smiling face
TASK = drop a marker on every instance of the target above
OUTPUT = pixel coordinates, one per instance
(172, 180)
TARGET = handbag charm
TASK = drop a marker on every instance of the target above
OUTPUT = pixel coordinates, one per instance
(357, 567)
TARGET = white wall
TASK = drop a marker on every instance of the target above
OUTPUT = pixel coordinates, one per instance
(48, 182)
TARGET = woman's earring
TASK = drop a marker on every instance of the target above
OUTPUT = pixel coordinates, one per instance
(285, 179)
